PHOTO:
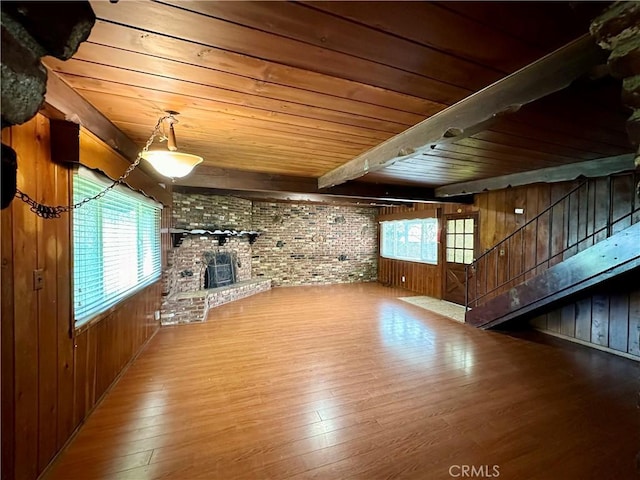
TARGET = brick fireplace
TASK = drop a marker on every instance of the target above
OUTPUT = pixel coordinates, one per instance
(202, 274)
(187, 263)
(299, 244)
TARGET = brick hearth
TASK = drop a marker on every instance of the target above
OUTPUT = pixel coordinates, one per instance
(190, 307)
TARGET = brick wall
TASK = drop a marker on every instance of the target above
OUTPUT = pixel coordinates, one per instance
(210, 211)
(185, 265)
(314, 244)
(301, 244)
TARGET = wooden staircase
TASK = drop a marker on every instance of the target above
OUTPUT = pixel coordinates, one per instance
(582, 247)
(614, 256)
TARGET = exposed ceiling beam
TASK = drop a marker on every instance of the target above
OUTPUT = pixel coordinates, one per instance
(593, 168)
(63, 103)
(539, 79)
(228, 179)
(243, 183)
(76, 109)
(274, 196)
(396, 193)
(326, 199)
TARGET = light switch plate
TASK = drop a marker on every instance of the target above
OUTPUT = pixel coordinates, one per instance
(38, 279)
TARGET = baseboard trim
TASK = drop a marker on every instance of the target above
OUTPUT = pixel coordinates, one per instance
(73, 435)
(588, 344)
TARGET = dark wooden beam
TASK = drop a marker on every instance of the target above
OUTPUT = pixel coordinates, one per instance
(547, 75)
(600, 167)
(62, 100)
(289, 197)
(64, 103)
(228, 179)
(288, 186)
(380, 191)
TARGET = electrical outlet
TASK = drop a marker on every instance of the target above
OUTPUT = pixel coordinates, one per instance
(402, 278)
(156, 315)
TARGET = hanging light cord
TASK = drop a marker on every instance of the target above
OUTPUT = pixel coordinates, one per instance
(47, 211)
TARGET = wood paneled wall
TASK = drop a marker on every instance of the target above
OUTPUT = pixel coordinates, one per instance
(609, 319)
(52, 376)
(165, 236)
(600, 319)
(574, 224)
(497, 208)
(418, 277)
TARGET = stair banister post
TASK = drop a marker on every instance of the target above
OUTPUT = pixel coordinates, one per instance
(466, 288)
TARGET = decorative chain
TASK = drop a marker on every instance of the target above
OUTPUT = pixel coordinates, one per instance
(47, 211)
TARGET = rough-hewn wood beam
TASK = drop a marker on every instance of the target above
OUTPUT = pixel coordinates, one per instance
(30, 31)
(543, 77)
(377, 191)
(617, 30)
(600, 167)
(239, 181)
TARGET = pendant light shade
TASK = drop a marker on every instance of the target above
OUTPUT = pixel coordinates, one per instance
(170, 162)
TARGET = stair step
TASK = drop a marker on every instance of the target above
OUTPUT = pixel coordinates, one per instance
(607, 259)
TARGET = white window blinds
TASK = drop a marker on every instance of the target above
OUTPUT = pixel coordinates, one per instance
(414, 240)
(116, 244)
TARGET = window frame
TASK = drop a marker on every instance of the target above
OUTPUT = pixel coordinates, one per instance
(432, 225)
(457, 239)
(145, 223)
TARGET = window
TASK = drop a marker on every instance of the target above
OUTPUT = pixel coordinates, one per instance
(414, 240)
(460, 234)
(116, 244)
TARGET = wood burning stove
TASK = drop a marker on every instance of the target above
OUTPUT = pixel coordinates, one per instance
(220, 270)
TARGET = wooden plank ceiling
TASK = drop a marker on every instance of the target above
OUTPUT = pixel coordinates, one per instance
(278, 91)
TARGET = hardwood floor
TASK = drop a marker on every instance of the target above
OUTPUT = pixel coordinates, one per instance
(349, 382)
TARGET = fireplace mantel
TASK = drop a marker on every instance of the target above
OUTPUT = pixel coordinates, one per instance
(179, 234)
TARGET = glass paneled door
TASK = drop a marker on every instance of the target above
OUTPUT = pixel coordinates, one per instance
(460, 244)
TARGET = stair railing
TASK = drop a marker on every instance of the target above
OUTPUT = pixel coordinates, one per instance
(569, 225)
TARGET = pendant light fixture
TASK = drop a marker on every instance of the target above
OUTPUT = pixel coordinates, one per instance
(170, 162)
